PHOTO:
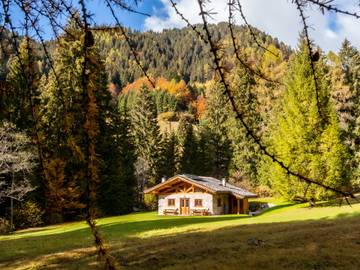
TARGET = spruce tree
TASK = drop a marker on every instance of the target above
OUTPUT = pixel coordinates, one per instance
(307, 142)
(216, 122)
(117, 189)
(170, 154)
(188, 147)
(246, 157)
(147, 137)
(205, 156)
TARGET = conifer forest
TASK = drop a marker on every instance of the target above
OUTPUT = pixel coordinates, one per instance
(94, 113)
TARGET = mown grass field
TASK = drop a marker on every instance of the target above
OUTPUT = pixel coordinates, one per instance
(288, 236)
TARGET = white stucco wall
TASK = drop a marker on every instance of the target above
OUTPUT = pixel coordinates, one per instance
(207, 201)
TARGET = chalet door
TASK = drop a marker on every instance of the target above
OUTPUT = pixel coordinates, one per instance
(184, 206)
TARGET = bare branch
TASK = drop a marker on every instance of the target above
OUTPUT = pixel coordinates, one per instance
(128, 41)
(250, 28)
(240, 117)
(125, 6)
(326, 5)
(90, 159)
(237, 51)
(193, 27)
(300, 7)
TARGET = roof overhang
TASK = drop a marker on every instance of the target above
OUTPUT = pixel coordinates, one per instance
(177, 178)
(242, 196)
(181, 178)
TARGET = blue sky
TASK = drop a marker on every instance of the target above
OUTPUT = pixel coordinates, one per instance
(135, 21)
(277, 17)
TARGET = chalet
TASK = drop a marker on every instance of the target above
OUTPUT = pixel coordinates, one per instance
(187, 194)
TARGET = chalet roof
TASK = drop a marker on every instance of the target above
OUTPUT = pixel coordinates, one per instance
(210, 183)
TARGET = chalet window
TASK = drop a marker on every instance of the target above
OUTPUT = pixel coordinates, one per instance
(198, 202)
(171, 202)
(219, 202)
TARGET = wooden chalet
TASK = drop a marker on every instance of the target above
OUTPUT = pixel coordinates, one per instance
(187, 194)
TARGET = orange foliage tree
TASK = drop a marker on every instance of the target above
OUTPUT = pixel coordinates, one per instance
(176, 89)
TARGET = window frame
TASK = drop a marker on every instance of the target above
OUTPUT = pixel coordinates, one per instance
(196, 202)
(172, 202)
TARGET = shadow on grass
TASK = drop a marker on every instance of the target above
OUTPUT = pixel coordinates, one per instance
(287, 245)
(119, 233)
(340, 202)
(78, 238)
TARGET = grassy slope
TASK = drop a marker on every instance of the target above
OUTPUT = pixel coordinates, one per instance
(294, 236)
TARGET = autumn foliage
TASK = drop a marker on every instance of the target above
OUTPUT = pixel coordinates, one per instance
(200, 106)
(177, 89)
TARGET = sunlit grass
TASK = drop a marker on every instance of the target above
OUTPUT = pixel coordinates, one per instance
(65, 242)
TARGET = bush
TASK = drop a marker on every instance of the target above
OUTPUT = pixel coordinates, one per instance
(150, 201)
(263, 191)
(167, 116)
(28, 214)
(4, 226)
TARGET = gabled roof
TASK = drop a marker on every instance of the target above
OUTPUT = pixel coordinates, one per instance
(208, 183)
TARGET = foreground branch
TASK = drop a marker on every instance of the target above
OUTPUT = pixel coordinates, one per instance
(240, 117)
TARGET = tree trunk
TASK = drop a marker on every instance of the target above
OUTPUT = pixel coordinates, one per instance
(12, 204)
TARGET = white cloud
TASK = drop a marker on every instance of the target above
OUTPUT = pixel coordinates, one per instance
(279, 18)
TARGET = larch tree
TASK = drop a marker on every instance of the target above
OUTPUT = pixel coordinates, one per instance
(306, 133)
(76, 110)
(22, 102)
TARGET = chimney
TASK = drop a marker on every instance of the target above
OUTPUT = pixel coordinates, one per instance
(223, 182)
(163, 179)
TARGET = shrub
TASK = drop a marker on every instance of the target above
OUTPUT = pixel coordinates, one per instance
(263, 191)
(150, 201)
(4, 226)
(28, 214)
(167, 116)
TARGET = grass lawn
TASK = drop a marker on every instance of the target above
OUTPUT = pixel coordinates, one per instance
(288, 236)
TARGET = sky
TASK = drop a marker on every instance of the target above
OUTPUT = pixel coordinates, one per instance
(279, 18)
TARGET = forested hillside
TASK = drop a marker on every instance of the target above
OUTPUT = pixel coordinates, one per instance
(173, 54)
(134, 132)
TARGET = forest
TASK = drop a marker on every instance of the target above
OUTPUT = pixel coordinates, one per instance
(95, 116)
(141, 130)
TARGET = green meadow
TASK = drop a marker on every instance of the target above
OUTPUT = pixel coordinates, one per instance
(287, 236)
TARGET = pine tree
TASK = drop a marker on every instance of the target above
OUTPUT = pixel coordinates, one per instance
(307, 142)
